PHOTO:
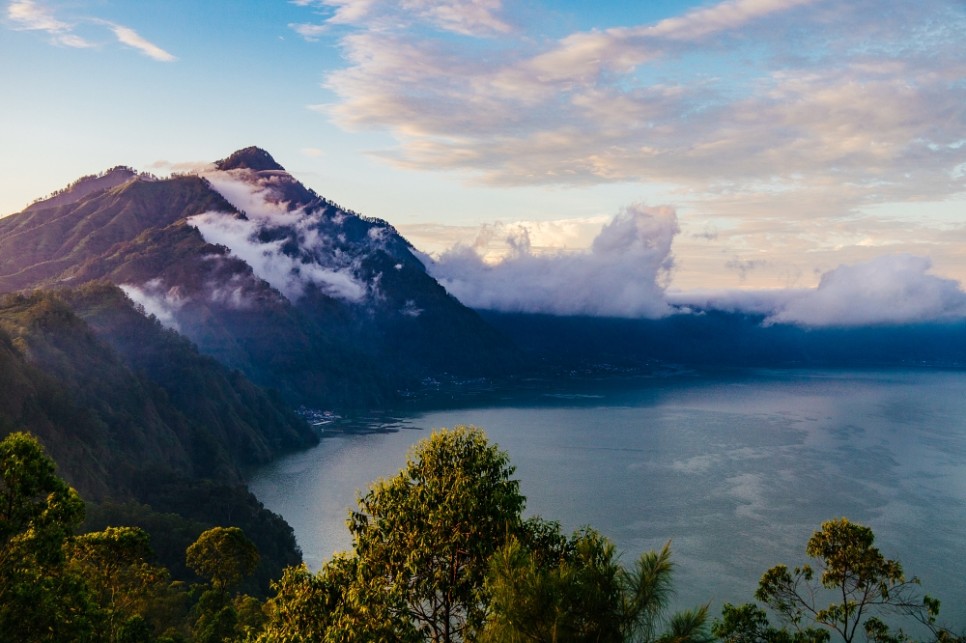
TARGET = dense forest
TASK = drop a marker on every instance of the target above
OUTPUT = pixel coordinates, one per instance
(150, 431)
(440, 552)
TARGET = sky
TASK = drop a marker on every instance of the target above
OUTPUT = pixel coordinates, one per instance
(738, 146)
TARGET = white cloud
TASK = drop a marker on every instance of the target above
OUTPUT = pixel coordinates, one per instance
(30, 15)
(850, 103)
(621, 275)
(894, 289)
(131, 38)
(290, 271)
(157, 300)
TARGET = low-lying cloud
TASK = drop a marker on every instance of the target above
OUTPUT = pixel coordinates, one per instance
(622, 275)
(158, 300)
(887, 290)
(893, 289)
(290, 272)
(625, 271)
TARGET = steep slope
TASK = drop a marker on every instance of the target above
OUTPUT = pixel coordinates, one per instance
(147, 429)
(331, 308)
(139, 399)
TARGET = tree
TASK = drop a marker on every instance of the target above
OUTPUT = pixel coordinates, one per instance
(130, 592)
(545, 587)
(40, 599)
(748, 623)
(427, 533)
(337, 604)
(224, 555)
(859, 582)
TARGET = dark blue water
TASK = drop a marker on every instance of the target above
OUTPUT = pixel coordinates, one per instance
(736, 471)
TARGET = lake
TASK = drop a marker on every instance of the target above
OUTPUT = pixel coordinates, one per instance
(735, 469)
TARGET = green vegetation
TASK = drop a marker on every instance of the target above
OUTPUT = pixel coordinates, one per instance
(860, 585)
(152, 433)
(440, 553)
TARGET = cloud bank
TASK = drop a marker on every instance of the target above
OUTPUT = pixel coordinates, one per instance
(887, 290)
(621, 275)
(625, 271)
(893, 289)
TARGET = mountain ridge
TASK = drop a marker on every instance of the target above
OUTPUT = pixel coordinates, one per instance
(332, 308)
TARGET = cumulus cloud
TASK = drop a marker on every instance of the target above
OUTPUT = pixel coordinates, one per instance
(894, 289)
(262, 239)
(886, 290)
(621, 275)
(156, 299)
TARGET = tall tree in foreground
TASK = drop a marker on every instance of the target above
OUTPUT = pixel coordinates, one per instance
(427, 533)
(40, 598)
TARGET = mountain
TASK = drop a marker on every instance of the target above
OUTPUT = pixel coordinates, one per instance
(331, 308)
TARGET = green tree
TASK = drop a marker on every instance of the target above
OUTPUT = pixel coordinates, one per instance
(544, 587)
(748, 623)
(859, 583)
(427, 533)
(223, 555)
(40, 599)
(336, 605)
(131, 592)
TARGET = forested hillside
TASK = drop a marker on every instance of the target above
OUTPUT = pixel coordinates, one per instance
(140, 422)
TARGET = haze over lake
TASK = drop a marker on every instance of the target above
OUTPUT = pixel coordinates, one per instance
(736, 469)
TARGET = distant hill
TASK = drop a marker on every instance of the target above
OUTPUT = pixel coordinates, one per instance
(724, 339)
(331, 308)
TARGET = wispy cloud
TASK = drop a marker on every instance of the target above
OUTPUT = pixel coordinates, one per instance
(791, 96)
(464, 17)
(131, 38)
(30, 15)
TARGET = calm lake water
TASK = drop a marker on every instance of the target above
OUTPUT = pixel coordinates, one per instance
(735, 470)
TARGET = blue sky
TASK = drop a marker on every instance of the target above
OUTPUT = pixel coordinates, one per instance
(785, 137)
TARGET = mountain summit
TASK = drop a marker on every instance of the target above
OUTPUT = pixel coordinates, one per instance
(250, 158)
(331, 308)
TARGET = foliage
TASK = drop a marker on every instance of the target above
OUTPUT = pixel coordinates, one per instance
(134, 596)
(580, 592)
(748, 623)
(429, 531)
(40, 599)
(224, 555)
(340, 603)
(859, 583)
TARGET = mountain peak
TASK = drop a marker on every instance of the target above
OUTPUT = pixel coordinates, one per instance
(251, 158)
